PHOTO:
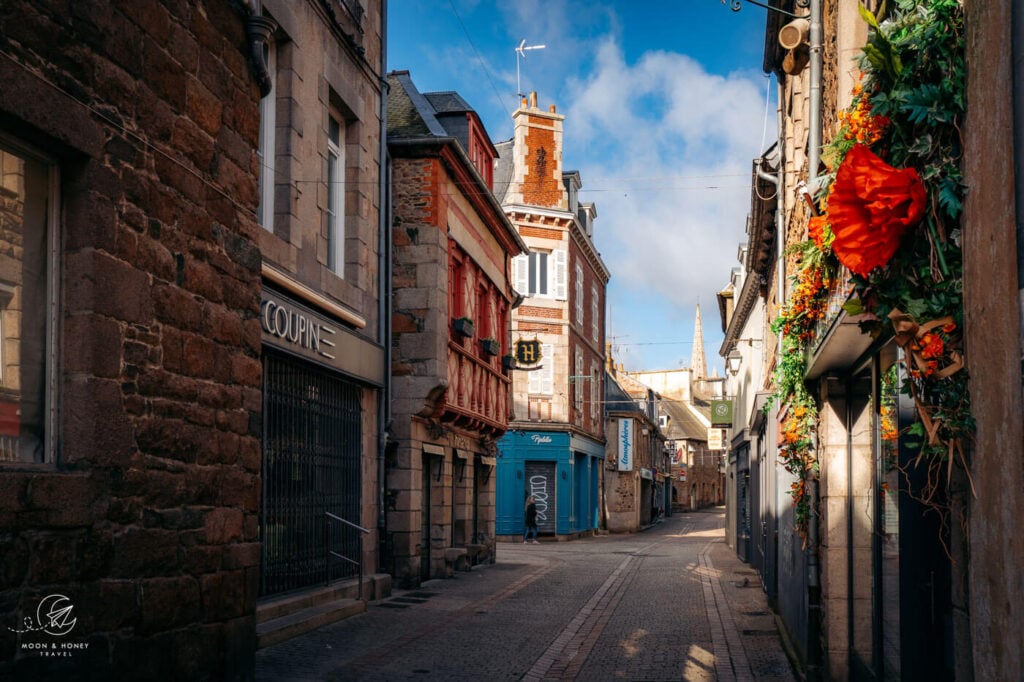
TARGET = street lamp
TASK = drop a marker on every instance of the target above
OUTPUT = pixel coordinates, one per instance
(733, 362)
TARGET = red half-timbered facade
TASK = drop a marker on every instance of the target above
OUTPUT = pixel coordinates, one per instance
(452, 296)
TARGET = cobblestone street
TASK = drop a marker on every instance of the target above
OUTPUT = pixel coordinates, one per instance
(671, 603)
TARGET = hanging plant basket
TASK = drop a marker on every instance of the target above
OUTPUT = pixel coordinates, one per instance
(508, 361)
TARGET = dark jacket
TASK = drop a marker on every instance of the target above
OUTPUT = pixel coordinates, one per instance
(531, 515)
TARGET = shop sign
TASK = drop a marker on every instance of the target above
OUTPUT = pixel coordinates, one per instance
(721, 413)
(715, 439)
(291, 327)
(528, 352)
(625, 445)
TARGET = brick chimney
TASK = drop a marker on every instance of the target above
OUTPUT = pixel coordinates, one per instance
(537, 157)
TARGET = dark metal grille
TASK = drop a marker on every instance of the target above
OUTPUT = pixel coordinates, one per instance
(311, 461)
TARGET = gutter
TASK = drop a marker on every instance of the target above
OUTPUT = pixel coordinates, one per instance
(383, 298)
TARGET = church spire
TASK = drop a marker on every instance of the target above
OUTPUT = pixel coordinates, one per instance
(698, 362)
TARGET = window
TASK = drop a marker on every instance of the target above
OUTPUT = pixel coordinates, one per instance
(595, 314)
(595, 393)
(578, 380)
(542, 380)
(335, 196)
(579, 295)
(268, 107)
(29, 212)
(541, 273)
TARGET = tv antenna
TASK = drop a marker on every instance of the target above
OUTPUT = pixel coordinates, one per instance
(521, 52)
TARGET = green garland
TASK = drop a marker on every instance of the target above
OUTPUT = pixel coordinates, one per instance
(908, 109)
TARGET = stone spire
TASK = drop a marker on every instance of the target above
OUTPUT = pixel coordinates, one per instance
(698, 362)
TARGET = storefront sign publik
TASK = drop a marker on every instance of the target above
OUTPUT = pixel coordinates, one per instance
(625, 445)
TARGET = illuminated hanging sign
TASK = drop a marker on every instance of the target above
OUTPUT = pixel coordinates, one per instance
(715, 440)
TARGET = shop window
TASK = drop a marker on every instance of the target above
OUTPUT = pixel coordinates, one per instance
(28, 228)
(268, 122)
(336, 194)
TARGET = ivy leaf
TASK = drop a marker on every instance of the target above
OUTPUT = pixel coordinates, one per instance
(949, 197)
(922, 145)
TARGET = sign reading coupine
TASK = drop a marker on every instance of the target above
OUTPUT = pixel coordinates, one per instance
(721, 413)
(625, 445)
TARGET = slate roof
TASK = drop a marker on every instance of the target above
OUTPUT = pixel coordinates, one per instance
(682, 422)
(410, 114)
(503, 169)
(447, 102)
(617, 400)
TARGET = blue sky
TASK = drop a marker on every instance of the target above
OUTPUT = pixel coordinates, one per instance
(665, 106)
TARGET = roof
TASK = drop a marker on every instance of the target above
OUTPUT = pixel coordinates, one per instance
(682, 422)
(447, 102)
(410, 114)
(503, 168)
(617, 400)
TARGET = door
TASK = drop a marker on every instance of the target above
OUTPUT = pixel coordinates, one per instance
(540, 482)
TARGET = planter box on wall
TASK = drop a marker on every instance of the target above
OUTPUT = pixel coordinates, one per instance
(463, 326)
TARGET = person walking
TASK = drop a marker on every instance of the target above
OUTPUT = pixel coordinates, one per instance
(531, 519)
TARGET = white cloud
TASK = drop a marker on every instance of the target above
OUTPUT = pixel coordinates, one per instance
(666, 151)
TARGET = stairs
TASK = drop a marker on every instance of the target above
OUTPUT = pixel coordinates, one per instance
(282, 618)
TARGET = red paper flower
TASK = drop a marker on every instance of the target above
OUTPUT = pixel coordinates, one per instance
(870, 207)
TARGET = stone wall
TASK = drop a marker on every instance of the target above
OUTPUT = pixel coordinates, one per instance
(992, 292)
(146, 522)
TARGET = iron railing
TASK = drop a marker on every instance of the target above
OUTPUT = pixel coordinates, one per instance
(331, 553)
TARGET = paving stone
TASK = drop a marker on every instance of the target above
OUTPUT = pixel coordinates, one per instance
(657, 605)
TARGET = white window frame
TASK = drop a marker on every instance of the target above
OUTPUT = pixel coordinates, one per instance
(51, 264)
(266, 152)
(335, 208)
(595, 311)
(578, 383)
(595, 392)
(579, 295)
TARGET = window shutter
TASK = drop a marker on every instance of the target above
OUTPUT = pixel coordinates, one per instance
(521, 274)
(595, 313)
(535, 377)
(547, 383)
(560, 274)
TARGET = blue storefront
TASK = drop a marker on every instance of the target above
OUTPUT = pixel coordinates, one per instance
(562, 470)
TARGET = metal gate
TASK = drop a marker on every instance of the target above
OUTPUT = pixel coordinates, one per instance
(311, 460)
(540, 482)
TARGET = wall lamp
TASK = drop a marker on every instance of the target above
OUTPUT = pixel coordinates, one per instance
(736, 6)
(733, 362)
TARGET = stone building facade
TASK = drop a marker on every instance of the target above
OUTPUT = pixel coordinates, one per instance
(130, 282)
(324, 298)
(452, 303)
(636, 463)
(563, 282)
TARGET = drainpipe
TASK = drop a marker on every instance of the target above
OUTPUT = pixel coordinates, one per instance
(814, 655)
(258, 29)
(384, 296)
